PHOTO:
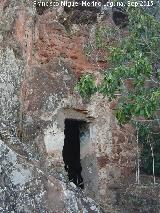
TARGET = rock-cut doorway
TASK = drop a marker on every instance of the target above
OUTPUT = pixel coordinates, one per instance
(71, 151)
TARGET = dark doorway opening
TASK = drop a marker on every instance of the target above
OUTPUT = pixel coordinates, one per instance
(71, 151)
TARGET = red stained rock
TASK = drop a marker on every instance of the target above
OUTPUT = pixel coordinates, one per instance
(20, 27)
(102, 161)
(52, 40)
(113, 105)
(50, 45)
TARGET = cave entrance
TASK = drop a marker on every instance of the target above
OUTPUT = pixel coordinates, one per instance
(71, 151)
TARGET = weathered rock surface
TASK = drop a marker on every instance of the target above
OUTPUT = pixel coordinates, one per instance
(42, 55)
(24, 187)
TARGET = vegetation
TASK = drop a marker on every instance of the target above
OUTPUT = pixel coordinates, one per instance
(135, 58)
(150, 155)
(86, 86)
(134, 73)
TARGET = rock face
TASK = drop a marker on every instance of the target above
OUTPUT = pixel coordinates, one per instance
(42, 55)
(26, 188)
